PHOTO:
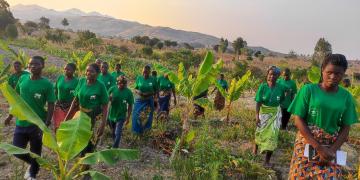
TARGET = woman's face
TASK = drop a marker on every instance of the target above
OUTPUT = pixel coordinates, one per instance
(69, 71)
(332, 75)
(104, 68)
(271, 77)
(146, 72)
(121, 84)
(91, 73)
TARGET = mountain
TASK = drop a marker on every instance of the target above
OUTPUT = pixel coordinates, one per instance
(108, 26)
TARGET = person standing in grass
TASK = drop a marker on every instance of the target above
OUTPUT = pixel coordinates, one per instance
(117, 71)
(92, 98)
(121, 105)
(13, 79)
(199, 110)
(268, 98)
(145, 90)
(37, 91)
(323, 114)
(219, 98)
(166, 88)
(290, 91)
(105, 77)
(65, 92)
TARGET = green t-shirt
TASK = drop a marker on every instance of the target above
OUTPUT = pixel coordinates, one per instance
(116, 74)
(66, 89)
(290, 91)
(270, 96)
(223, 83)
(35, 93)
(120, 100)
(165, 84)
(14, 78)
(148, 85)
(91, 96)
(107, 79)
(328, 111)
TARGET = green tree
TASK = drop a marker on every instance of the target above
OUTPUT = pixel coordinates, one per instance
(44, 23)
(223, 45)
(167, 43)
(11, 31)
(30, 27)
(238, 44)
(160, 45)
(153, 42)
(56, 36)
(322, 48)
(65, 22)
(147, 51)
(87, 40)
(188, 46)
(6, 17)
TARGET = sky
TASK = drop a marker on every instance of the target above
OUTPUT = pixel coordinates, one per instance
(279, 25)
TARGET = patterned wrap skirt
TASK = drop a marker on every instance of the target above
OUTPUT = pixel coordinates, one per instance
(303, 168)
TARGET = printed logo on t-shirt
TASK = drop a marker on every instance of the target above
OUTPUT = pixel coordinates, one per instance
(72, 91)
(150, 84)
(313, 112)
(124, 101)
(37, 96)
(93, 97)
(109, 83)
(278, 98)
(169, 85)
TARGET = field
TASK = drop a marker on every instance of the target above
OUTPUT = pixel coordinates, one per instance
(219, 150)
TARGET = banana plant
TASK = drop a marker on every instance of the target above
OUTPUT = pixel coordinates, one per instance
(314, 74)
(71, 138)
(81, 63)
(189, 86)
(235, 90)
(19, 55)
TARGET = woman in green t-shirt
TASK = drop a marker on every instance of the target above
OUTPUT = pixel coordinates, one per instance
(268, 114)
(65, 92)
(323, 114)
(166, 88)
(145, 90)
(92, 98)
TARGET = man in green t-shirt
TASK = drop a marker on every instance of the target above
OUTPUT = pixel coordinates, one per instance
(13, 79)
(117, 71)
(105, 77)
(290, 91)
(122, 101)
(36, 91)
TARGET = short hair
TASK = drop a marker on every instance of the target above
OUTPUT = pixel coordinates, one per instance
(104, 62)
(154, 73)
(17, 62)
(95, 66)
(335, 59)
(72, 66)
(118, 64)
(40, 58)
(122, 79)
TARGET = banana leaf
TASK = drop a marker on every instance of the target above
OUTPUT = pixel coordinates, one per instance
(190, 136)
(314, 74)
(163, 70)
(73, 136)
(21, 110)
(181, 72)
(4, 73)
(13, 150)
(110, 156)
(240, 86)
(203, 81)
(206, 65)
(204, 102)
(221, 89)
(95, 175)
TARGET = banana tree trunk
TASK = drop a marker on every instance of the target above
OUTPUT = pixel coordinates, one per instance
(228, 112)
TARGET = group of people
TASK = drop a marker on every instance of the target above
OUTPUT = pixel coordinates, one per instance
(102, 95)
(323, 114)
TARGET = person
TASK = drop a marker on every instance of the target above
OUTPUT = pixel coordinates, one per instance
(166, 88)
(145, 90)
(290, 91)
(117, 71)
(155, 76)
(98, 62)
(346, 83)
(65, 91)
(14, 78)
(91, 98)
(323, 114)
(122, 101)
(199, 110)
(268, 114)
(105, 77)
(219, 101)
(36, 91)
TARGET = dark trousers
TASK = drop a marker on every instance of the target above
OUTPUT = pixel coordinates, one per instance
(22, 136)
(285, 118)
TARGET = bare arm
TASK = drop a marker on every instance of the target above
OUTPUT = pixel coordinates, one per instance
(103, 120)
(74, 105)
(343, 136)
(130, 107)
(257, 111)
